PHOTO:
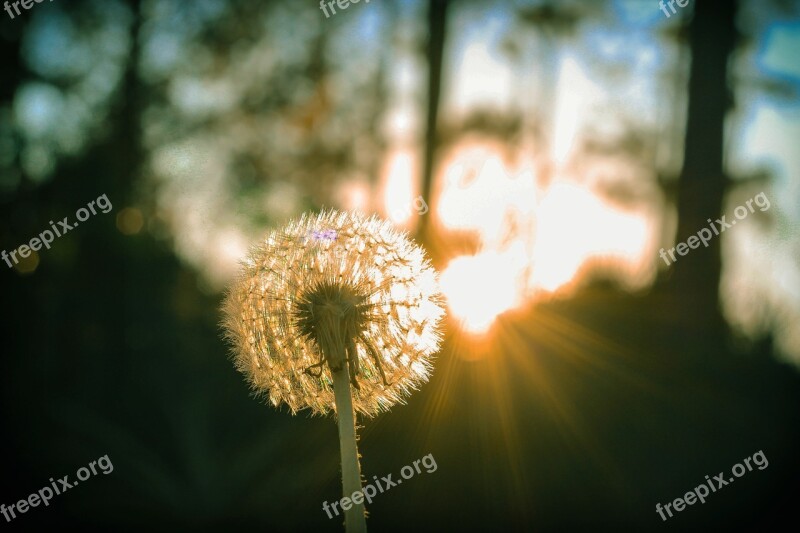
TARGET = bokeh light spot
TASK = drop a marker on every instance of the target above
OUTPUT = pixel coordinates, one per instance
(130, 221)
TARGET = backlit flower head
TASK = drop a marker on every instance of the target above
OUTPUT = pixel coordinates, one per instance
(372, 279)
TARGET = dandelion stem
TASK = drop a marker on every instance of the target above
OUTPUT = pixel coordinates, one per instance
(351, 471)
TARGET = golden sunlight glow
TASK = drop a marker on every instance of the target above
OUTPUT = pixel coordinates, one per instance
(401, 122)
(231, 245)
(480, 191)
(574, 226)
(481, 287)
(354, 196)
(531, 240)
(398, 193)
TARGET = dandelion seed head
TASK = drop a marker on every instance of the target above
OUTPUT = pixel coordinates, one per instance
(360, 269)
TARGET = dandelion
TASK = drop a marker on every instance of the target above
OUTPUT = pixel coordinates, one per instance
(336, 312)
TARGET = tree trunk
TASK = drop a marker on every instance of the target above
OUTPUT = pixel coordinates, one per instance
(703, 183)
(437, 27)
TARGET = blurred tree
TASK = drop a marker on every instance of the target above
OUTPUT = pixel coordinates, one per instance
(437, 30)
(703, 182)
